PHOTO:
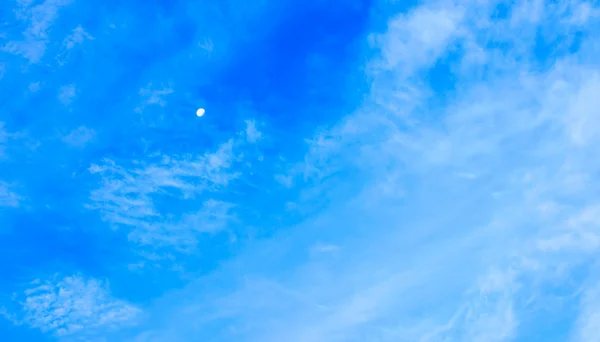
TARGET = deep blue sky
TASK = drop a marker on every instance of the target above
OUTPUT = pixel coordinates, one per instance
(365, 171)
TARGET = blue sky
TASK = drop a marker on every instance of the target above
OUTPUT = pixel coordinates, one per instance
(366, 170)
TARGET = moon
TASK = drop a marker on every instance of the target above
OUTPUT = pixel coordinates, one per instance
(200, 112)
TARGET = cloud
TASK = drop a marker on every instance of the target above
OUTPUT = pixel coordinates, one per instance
(128, 197)
(79, 137)
(78, 36)
(34, 87)
(66, 94)
(482, 129)
(324, 248)
(3, 139)
(431, 28)
(38, 18)
(153, 96)
(458, 202)
(452, 258)
(73, 306)
(207, 45)
(588, 322)
(7, 197)
(286, 181)
(252, 133)
(11, 143)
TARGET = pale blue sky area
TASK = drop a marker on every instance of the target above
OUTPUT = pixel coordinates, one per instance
(365, 171)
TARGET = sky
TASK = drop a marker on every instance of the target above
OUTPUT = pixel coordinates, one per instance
(365, 171)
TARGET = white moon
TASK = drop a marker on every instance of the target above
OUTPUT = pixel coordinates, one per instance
(200, 112)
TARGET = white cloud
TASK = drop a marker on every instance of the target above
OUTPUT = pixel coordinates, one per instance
(207, 45)
(588, 322)
(482, 130)
(182, 234)
(450, 259)
(10, 140)
(153, 96)
(324, 248)
(34, 87)
(127, 197)
(38, 18)
(79, 137)
(66, 94)
(286, 181)
(74, 305)
(252, 133)
(7, 197)
(78, 36)
(418, 39)
(582, 115)
(3, 138)
(582, 12)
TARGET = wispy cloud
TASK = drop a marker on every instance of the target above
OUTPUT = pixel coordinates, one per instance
(73, 306)
(66, 94)
(38, 18)
(588, 322)
(128, 196)
(154, 96)
(79, 137)
(324, 248)
(458, 202)
(7, 197)
(3, 139)
(252, 132)
(78, 36)
(453, 258)
(34, 87)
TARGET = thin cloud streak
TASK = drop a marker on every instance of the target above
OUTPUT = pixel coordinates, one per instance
(470, 256)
